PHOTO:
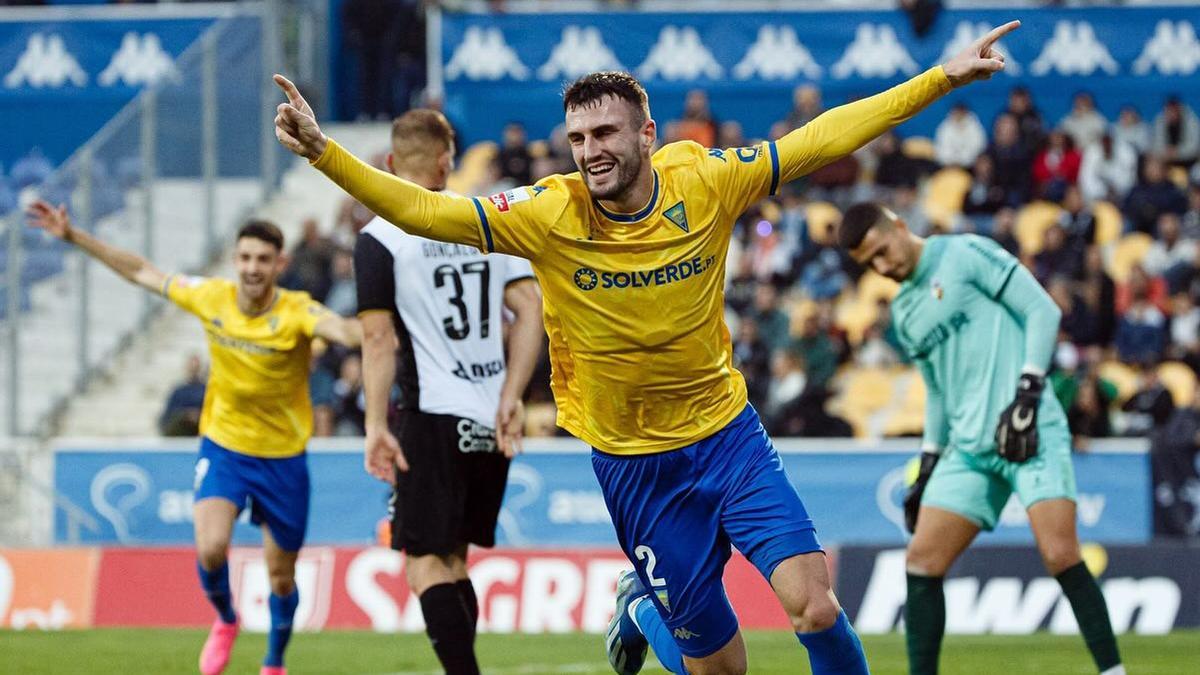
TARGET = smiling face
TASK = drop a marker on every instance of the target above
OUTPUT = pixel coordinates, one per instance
(610, 142)
(258, 264)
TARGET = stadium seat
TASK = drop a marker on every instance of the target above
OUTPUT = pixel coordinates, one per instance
(944, 194)
(1127, 252)
(1122, 376)
(1178, 176)
(1180, 380)
(1032, 222)
(820, 215)
(918, 147)
(1109, 224)
(909, 418)
(854, 316)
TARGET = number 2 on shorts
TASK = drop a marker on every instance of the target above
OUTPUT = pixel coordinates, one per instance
(647, 554)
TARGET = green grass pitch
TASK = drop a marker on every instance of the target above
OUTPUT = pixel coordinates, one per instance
(128, 651)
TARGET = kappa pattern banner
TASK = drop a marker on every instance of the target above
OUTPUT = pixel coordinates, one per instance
(749, 62)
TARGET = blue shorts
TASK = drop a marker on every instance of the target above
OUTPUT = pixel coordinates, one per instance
(677, 513)
(276, 490)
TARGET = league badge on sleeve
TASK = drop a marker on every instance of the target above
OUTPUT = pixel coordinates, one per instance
(504, 200)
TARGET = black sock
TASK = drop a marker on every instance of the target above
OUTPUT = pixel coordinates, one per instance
(1091, 613)
(448, 624)
(924, 623)
(467, 591)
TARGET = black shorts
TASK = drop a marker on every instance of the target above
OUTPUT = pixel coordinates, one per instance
(453, 488)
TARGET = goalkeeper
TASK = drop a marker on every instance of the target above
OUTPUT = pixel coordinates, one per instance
(982, 332)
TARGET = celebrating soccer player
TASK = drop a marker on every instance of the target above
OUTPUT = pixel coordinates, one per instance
(982, 332)
(256, 419)
(630, 252)
(460, 414)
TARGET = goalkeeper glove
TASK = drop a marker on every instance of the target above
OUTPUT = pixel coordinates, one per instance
(912, 498)
(1016, 434)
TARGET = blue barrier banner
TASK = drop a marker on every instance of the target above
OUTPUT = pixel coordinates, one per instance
(61, 79)
(143, 495)
(749, 62)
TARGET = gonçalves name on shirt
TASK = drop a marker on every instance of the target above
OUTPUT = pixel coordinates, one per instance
(438, 249)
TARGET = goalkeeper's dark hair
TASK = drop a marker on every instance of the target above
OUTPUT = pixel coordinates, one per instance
(857, 221)
(590, 89)
(263, 230)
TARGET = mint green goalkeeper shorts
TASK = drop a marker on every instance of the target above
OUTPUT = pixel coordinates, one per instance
(977, 486)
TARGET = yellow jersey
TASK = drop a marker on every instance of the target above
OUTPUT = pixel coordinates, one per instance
(634, 303)
(256, 401)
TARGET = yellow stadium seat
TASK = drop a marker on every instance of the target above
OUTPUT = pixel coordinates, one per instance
(944, 194)
(854, 317)
(1178, 176)
(870, 388)
(820, 215)
(1179, 380)
(1127, 252)
(1108, 222)
(1032, 222)
(1123, 377)
(918, 147)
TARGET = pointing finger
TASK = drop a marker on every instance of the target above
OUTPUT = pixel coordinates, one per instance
(290, 89)
(997, 33)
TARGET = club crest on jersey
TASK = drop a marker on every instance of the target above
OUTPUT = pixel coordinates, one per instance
(273, 323)
(586, 278)
(677, 215)
(505, 200)
(935, 288)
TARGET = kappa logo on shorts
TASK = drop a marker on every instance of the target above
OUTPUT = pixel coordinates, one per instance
(682, 633)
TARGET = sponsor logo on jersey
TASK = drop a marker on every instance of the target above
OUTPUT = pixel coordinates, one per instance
(777, 54)
(483, 54)
(580, 51)
(1173, 50)
(587, 279)
(505, 200)
(965, 35)
(875, 52)
(935, 288)
(474, 437)
(1074, 50)
(138, 61)
(679, 55)
(45, 63)
(500, 200)
(940, 333)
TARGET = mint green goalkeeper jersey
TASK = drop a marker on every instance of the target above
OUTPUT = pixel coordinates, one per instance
(968, 344)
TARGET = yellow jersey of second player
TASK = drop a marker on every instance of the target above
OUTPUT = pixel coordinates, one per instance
(256, 401)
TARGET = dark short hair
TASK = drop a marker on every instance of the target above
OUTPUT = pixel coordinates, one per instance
(590, 89)
(857, 221)
(421, 129)
(263, 230)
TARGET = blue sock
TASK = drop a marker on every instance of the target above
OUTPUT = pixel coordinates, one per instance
(283, 608)
(216, 587)
(659, 636)
(835, 650)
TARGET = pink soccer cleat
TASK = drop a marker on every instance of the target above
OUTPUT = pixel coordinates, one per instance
(273, 670)
(215, 655)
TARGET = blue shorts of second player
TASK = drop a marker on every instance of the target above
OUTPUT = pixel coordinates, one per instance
(677, 513)
(275, 490)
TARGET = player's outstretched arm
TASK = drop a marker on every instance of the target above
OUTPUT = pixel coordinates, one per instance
(406, 205)
(524, 300)
(346, 332)
(842, 130)
(132, 267)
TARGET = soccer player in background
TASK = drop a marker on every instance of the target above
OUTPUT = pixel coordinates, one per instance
(630, 253)
(459, 418)
(256, 419)
(979, 328)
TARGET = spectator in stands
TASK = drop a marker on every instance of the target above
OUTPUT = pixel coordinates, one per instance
(181, 415)
(1108, 170)
(960, 138)
(905, 204)
(1190, 223)
(1185, 330)
(805, 415)
(1055, 167)
(984, 196)
(697, 123)
(1030, 129)
(372, 31)
(1177, 133)
(1139, 283)
(1012, 160)
(814, 348)
(320, 392)
(1151, 405)
(875, 350)
(1170, 256)
(1085, 125)
(1131, 130)
(558, 155)
(752, 358)
(343, 294)
(310, 263)
(1088, 415)
(806, 106)
(1099, 293)
(514, 162)
(1078, 221)
(788, 381)
(1003, 226)
(1079, 324)
(730, 135)
(1056, 258)
(1142, 328)
(349, 403)
(1153, 196)
(768, 251)
(773, 325)
(823, 272)
(895, 169)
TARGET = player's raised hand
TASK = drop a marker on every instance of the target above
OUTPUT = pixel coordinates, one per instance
(981, 60)
(383, 455)
(53, 220)
(510, 426)
(296, 124)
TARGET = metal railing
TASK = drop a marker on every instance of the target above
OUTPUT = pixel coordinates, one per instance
(170, 177)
